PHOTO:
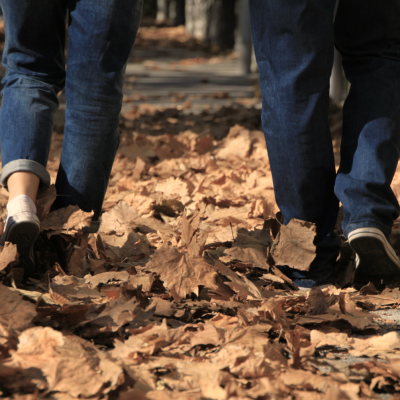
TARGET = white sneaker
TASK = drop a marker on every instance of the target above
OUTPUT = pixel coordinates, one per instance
(375, 257)
(22, 226)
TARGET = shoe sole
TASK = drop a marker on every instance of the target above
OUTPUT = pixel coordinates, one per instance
(24, 235)
(375, 258)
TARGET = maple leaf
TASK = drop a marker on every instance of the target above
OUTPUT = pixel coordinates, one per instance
(181, 273)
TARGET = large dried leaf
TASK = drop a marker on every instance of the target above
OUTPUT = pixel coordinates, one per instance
(69, 366)
(69, 220)
(115, 314)
(125, 244)
(74, 288)
(181, 273)
(104, 278)
(240, 284)
(294, 245)
(252, 249)
(15, 313)
(118, 218)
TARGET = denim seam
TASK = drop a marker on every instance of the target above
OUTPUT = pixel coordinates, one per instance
(23, 165)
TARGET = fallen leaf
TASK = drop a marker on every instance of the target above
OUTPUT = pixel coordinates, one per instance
(69, 220)
(68, 365)
(294, 245)
(8, 255)
(180, 273)
(15, 313)
(111, 277)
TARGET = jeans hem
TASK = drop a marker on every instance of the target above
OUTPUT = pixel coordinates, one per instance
(366, 224)
(23, 165)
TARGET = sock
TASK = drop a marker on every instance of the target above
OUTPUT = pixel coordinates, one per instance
(20, 204)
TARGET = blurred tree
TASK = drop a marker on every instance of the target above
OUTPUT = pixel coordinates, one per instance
(150, 8)
(213, 21)
(221, 23)
(180, 12)
(163, 8)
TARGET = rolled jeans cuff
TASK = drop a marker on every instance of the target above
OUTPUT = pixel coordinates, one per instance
(26, 166)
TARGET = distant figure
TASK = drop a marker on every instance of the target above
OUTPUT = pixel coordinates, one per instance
(294, 43)
(101, 34)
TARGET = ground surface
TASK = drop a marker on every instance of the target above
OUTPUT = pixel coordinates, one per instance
(178, 295)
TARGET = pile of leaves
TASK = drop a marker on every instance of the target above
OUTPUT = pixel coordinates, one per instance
(179, 294)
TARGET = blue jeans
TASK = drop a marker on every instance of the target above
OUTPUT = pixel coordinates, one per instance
(294, 45)
(101, 34)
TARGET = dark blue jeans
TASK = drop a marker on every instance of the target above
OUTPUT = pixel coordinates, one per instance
(294, 42)
(101, 34)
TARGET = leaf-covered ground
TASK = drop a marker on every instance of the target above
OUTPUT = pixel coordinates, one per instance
(178, 296)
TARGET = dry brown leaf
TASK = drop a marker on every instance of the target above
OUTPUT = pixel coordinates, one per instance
(175, 189)
(334, 339)
(45, 200)
(8, 255)
(125, 244)
(118, 218)
(76, 261)
(254, 366)
(318, 302)
(180, 273)
(144, 280)
(15, 313)
(69, 366)
(112, 277)
(238, 143)
(143, 205)
(377, 346)
(74, 288)
(115, 314)
(8, 341)
(137, 172)
(147, 341)
(251, 249)
(294, 245)
(240, 284)
(69, 220)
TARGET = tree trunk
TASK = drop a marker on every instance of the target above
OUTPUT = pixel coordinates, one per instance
(162, 10)
(179, 12)
(213, 21)
(221, 23)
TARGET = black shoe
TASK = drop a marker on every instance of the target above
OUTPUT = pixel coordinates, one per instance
(375, 257)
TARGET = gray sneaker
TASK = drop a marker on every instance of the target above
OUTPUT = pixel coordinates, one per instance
(375, 257)
(22, 229)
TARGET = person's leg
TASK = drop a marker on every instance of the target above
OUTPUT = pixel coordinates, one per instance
(34, 59)
(101, 37)
(293, 42)
(368, 36)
